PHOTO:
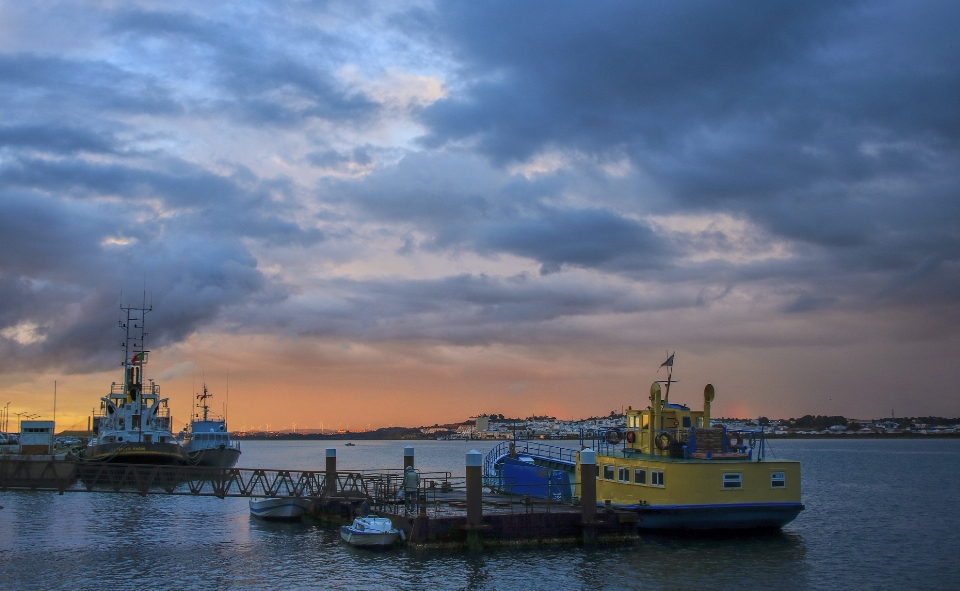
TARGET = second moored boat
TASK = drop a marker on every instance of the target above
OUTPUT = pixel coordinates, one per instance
(208, 443)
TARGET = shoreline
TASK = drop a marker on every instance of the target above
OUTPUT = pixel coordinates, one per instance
(372, 437)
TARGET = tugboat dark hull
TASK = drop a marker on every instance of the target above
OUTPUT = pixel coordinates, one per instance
(164, 454)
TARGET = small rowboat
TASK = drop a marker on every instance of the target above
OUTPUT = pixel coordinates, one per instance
(370, 532)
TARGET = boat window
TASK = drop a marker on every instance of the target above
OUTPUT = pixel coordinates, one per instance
(699, 422)
(644, 421)
(656, 478)
(778, 479)
(607, 472)
(639, 476)
(686, 422)
(732, 480)
(623, 474)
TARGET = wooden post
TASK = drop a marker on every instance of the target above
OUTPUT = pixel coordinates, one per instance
(331, 470)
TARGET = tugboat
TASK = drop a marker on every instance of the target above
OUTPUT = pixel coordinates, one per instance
(133, 425)
(667, 465)
(208, 442)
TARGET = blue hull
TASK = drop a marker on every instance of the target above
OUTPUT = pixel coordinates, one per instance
(706, 517)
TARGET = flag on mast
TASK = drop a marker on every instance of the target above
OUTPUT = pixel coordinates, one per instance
(668, 362)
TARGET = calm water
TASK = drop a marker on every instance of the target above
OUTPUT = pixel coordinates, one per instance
(880, 515)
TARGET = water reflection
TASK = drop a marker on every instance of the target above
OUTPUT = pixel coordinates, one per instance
(875, 518)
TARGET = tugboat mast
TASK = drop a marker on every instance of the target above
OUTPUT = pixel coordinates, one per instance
(134, 357)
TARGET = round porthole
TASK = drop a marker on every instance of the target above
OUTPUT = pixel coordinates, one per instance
(119, 438)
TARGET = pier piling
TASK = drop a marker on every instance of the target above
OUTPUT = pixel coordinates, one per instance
(588, 494)
(331, 474)
(407, 457)
(474, 462)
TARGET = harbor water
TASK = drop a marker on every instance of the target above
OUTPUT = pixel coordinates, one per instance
(881, 514)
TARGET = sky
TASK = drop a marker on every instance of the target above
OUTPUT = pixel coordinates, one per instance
(359, 214)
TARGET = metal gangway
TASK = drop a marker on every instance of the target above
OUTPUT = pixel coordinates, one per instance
(62, 476)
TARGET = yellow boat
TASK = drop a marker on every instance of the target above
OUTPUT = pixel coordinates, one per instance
(667, 464)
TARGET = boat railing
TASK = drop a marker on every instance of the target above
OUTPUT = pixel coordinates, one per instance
(150, 389)
(691, 440)
(448, 494)
(543, 451)
(725, 441)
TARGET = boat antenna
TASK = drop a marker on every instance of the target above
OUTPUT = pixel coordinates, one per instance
(668, 364)
(203, 399)
(134, 353)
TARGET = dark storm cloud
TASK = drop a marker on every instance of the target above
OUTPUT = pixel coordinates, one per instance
(464, 205)
(583, 237)
(218, 204)
(827, 130)
(829, 124)
(654, 75)
(58, 272)
(464, 309)
(36, 88)
(609, 73)
(56, 139)
(87, 211)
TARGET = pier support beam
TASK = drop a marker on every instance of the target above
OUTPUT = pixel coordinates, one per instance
(588, 495)
(331, 474)
(407, 457)
(474, 500)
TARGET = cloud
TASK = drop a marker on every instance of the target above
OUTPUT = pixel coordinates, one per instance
(545, 176)
(178, 370)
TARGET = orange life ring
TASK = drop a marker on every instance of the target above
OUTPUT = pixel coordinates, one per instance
(631, 436)
(613, 437)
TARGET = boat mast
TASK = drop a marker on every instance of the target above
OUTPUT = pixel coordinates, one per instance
(669, 364)
(203, 398)
(134, 356)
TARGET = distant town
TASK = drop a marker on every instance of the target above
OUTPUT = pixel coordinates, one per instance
(497, 426)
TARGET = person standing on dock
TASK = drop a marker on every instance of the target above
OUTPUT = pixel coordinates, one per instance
(411, 486)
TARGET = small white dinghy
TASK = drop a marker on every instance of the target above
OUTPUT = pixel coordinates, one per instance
(279, 508)
(370, 532)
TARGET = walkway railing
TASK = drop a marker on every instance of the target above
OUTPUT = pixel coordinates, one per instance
(73, 476)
